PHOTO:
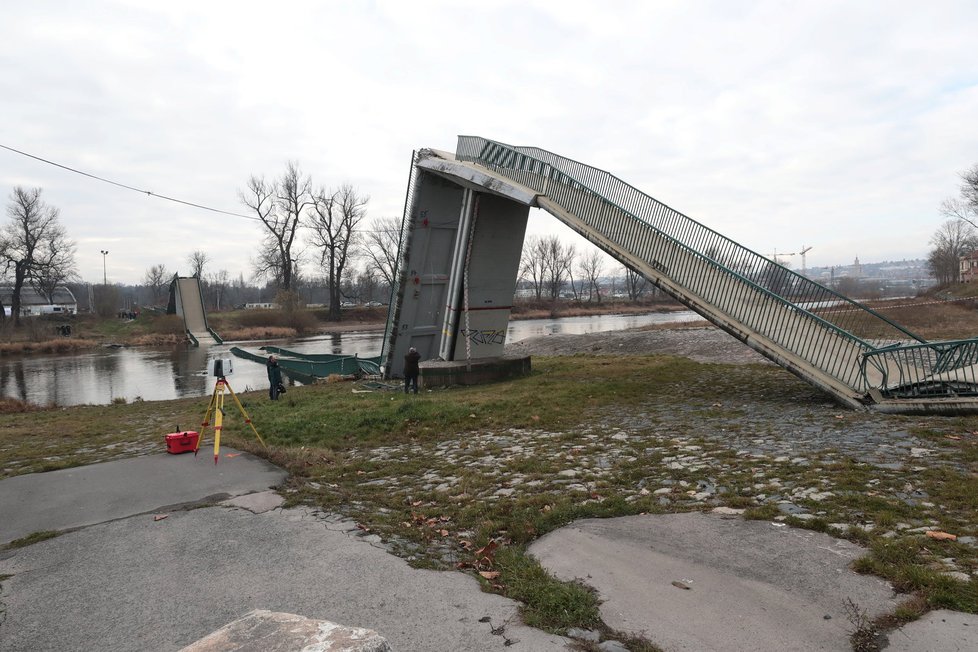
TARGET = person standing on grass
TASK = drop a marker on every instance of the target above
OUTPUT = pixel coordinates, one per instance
(274, 377)
(411, 369)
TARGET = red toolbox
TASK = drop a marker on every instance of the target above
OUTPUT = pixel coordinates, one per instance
(181, 442)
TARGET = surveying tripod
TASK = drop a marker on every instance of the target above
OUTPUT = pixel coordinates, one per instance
(217, 407)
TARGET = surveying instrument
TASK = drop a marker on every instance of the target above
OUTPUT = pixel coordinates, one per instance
(221, 368)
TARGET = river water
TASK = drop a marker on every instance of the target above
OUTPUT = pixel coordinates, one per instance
(101, 376)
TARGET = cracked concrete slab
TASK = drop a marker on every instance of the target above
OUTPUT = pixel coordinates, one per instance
(86, 495)
(703, 582)
(161, 585)
(937, 631)
(257, 503)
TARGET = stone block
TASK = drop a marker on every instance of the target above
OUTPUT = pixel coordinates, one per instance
(269, 631)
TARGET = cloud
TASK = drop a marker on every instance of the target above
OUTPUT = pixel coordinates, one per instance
(834, 125)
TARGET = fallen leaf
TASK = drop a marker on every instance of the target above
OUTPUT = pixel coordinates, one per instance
(160, 517)
(489, 575)
(680, 585)
(535, 417)
(488, 550)
(444, 533)
(954, 437)
(231, 454)
(941, 536)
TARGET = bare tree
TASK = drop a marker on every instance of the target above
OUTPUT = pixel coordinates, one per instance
(334, 220)
(953, 239)
(557, 260)
(531, 264)
(30, 241)
(281, 207)
(197, 260)
(635, 284)
(218, 285)
(956, 209)
(366, 285)
(969, 191)
(380, 247)
(589, 266)
(55, 265)
(157, 278)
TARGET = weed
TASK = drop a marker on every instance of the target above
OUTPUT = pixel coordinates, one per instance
(30, 539)
(865, 636)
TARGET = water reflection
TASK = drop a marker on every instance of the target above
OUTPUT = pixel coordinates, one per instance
(99, 377)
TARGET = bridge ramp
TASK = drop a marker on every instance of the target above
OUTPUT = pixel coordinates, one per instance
(190, 306)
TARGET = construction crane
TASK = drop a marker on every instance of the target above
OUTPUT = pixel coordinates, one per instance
(804, 250)
(775, 256)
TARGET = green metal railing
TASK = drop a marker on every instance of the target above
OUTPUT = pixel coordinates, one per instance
(835, 334)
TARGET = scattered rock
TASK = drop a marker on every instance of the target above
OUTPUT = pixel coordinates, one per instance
(584, 634)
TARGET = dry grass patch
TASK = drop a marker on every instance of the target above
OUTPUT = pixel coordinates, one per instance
(257, 333)
(62, 345)
(17, 406)
(930, 319)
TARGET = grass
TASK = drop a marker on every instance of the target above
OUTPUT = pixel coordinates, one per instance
(467, 478)
(30, 539)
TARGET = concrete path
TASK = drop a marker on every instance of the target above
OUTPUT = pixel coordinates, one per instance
(87, 495)
(703, 582)
(125, 580)
(138, 584)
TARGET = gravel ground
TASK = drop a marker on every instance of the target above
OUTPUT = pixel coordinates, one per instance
(702, 344)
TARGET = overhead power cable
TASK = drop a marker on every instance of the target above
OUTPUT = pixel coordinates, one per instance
(122, 185)
(141, 191)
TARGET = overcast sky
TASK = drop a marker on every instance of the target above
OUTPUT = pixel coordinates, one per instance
(835, 125)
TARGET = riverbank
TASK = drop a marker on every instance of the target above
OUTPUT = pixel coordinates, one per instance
(154, 329)
(465, 478)
(927, 317)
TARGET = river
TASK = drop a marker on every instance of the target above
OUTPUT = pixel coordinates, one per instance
(101, 376)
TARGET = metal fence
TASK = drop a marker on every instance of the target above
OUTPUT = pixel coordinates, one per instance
(834, 333)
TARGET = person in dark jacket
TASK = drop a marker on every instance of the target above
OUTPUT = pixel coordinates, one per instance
(411, 370)
(274, 377)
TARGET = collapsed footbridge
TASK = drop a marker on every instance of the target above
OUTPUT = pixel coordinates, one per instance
(464, 221)
(187, 301)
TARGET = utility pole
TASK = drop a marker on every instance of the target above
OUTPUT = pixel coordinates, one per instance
(105, 253)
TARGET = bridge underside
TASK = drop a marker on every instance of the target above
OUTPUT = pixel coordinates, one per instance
(463, 230)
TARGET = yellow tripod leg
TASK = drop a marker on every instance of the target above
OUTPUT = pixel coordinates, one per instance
(246, 417)
(218, 422)
(207, 420)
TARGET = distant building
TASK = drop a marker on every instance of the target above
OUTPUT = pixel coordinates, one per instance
(32, 303)
(969, 267)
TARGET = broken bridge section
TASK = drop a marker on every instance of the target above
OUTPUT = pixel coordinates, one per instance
(464, 222)
(460, 254)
